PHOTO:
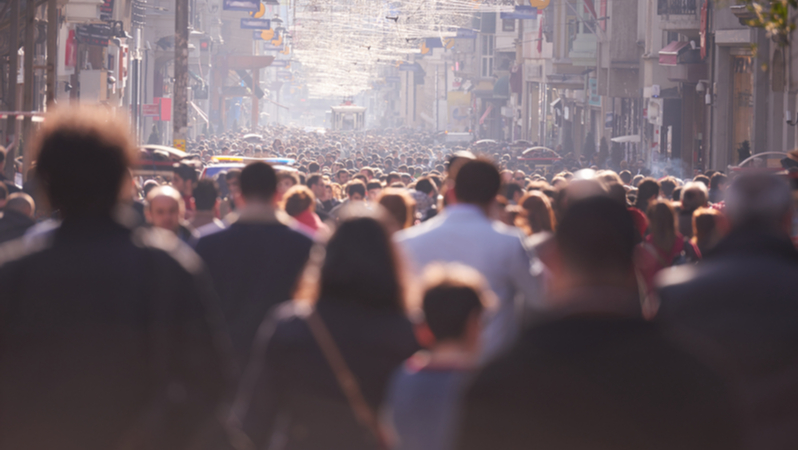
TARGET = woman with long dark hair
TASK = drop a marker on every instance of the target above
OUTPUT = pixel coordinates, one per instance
(320, 368)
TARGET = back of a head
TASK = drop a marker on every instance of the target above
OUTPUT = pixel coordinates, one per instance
(356, 187)
(759, 201)
(399, 205)
(297, 200)
(258, 181)
(425, 185)
(361, 267)
(661, 217)
(84, 156)
(648, 188)
(626, 176)
(205, 194)
(538, 212)
(596, 237)
(21, 203)
(477, 182)
(667, 185)
(453, 293)
(694, 195)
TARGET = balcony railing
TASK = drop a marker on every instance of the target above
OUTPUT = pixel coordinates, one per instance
(677, 7)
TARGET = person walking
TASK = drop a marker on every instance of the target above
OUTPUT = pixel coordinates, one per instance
(255, 262)
(591, 373)
(738, 308)
(108, 337)
(464, 233)
(321, 367)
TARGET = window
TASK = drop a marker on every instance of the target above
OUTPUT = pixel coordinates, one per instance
(508, 24)
(488, 22)
(487, 55)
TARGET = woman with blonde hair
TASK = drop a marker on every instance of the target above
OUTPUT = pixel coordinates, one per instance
(401, 207)
(709, 226)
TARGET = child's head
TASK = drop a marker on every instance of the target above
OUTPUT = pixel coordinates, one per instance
(454, 299)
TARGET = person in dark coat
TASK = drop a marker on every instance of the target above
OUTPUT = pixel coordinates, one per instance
(738, 308)
(108, 338)
(254, 263)
(17, 216)
(289, 394)
(592, 374)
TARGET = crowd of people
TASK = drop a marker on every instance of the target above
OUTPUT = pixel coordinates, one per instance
(384, 291)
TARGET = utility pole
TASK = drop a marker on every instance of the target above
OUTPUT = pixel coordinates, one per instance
(52, 52)
(27, 90)
(180, 103)
(11, 90)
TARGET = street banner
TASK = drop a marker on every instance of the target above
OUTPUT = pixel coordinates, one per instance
(93, 34)
(254, 24)
(466, 33)
(241, 5)
(153, 110)
(521, 12)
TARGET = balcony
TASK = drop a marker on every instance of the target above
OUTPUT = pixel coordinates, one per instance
(677, 7)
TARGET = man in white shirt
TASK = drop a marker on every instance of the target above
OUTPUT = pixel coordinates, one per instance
(464, 233)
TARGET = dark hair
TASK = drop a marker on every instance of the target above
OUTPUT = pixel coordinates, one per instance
(703, 179)
(355, 187)
(425, 185)
(205, 194)
(313, 179)
(511, 189)
(185, 171)
(361, 267)
(537, 212)
(668, 186)
(258, 181)
(626, 176)
(2, 155)
(647, 189)
(447, 307)
(313, 167)
(84, 154)
(3, 190)
(717, 179)
(596, 235)
(374, 184)
(477, 182)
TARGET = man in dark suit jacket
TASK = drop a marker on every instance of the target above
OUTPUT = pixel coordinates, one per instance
(108, 337)
(595, 375)
(738, 308)
(254, 263)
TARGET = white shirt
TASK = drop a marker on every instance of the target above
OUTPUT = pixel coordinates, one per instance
(462, 233)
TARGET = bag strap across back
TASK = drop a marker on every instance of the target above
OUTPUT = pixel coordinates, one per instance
(364, 413)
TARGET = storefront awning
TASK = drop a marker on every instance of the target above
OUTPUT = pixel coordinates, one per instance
(670, 55)
(629, 138)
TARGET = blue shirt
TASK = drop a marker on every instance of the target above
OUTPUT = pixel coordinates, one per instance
(423, 406)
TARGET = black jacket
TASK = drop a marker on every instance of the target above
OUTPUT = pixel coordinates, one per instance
(13, 224)
(595, 381)
(254, 266)
(289, 391)
(738, 307)
(108, 339)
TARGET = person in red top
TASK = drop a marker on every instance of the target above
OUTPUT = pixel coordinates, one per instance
(299, 202)
(664, 247)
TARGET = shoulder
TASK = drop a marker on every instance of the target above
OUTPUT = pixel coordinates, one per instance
(163, 242)
(419, 231)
